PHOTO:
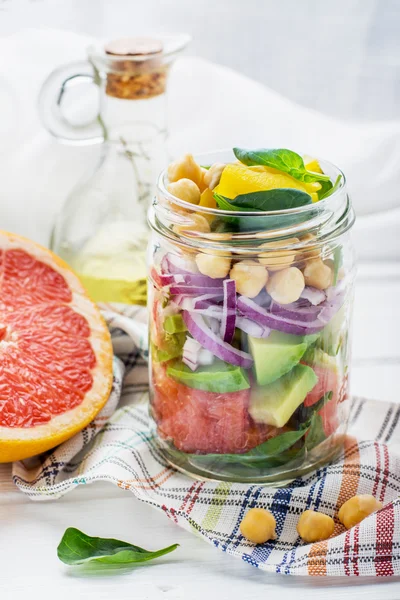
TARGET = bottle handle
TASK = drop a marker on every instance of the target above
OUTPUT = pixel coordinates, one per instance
(68, 126)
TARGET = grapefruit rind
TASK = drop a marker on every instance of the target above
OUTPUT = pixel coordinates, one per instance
(17, 443)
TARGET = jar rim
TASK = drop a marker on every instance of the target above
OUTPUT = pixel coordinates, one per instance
(327, 219)
(324, 203)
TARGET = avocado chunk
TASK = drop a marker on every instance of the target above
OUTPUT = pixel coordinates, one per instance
(277, 354)
(319, 358)
(171, 347)
(274, 404)
(174, 324)
(160, 356)
(220, 377)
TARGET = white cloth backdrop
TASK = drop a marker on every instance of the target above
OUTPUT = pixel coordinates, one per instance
(210, 107)
(340, 57)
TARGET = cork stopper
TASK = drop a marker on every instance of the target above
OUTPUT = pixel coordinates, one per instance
(138, 79)
(140, 46)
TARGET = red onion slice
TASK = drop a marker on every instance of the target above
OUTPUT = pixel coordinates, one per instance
(174, 264)
(210, 341)
(192, 280)
(313, 295)
(330, 308)
(214, 324)
(336, 290)
(252, 328)
(194, 355)
(295, 311)
(212, 311)
(168, 279)
(192, 290)
(256, 313)
(207, 300)
(228, 311)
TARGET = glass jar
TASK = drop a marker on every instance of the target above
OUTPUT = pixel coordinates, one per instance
(246, 384)
(102, 229)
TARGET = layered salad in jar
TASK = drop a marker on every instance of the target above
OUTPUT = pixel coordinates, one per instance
(249, 337)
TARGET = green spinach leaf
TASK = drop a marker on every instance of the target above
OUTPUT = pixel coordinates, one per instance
(274, 452)
(321, 402)
(316, 433)
(224, 203)
(77, 548)
(276, 445)
(281, 159)
(330, 190)
(305, 413)
(270, 200)
(326, 186)
(267, 200)
(288, 456)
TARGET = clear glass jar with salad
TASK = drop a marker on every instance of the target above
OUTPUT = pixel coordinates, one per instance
(251, 272)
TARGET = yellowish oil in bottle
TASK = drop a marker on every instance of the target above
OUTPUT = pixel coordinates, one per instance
(112, 265)
(115, 290)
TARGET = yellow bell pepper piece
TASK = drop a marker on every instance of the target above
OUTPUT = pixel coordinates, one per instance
(311, 164)
(310, 188)
(239, 179)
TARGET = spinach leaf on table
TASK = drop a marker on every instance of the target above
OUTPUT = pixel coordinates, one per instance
(281, 159)
(77, 548)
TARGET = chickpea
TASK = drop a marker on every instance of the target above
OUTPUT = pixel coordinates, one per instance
(318, 274)
(276, 261)
(213, 265)
(358, 508)
(208, 201)
(213, 175)
(185, 168)
(185, 189)
(194, 222)
(250, 277)
(258, 526)
(286, 286)
(314, 526)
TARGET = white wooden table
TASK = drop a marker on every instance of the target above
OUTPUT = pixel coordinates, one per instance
(30, 532)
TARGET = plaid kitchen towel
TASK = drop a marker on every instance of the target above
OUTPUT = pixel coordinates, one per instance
(118, 447)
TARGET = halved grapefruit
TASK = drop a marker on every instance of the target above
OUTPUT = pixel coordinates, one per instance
(55, 351)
